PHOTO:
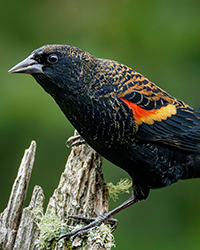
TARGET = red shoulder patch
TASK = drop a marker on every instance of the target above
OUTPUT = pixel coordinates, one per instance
(149, 116)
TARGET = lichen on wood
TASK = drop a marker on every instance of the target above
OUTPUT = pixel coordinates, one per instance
(81, 191)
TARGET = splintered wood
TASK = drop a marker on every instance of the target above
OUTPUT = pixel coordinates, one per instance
(81, 191)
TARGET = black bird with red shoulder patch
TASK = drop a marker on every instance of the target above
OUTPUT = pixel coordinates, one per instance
(122, 115)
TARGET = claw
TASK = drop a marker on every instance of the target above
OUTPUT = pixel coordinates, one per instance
(80, 231)
(107, 218)
(112, 221)
(95, 222)
(75, 140)
(79, 217)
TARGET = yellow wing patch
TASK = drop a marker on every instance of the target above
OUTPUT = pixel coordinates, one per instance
(149, 116)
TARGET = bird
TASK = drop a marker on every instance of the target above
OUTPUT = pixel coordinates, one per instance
(125, 117)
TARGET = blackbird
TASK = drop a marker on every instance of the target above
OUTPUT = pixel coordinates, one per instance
(122, 115)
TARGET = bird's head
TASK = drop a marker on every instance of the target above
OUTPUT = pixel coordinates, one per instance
(56, 67)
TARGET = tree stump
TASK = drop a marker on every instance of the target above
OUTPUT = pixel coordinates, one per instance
(81, 191)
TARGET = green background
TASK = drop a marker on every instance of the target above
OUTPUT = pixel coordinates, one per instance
(160, 39)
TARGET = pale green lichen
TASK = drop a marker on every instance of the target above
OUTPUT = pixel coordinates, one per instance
(122, 187)
(102, 235)
(50, 228)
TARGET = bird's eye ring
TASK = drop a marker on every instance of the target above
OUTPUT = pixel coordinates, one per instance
(52, 58)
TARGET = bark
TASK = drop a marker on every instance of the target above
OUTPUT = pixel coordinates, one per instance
(81, 191)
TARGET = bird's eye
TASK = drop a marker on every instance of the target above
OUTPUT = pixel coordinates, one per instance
(52, 58)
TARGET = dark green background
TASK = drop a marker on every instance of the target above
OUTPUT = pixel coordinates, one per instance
(160, 39)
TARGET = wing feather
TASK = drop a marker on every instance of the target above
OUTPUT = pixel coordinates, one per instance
(161, 117)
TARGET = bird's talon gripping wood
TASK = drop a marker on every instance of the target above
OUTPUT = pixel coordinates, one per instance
(94, 222)
(122, 115)
(112, 221)
(75, 140)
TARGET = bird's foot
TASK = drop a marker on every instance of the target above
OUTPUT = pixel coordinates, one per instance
(75, 140)
(93, 222)
(101, 218)
(106, 218)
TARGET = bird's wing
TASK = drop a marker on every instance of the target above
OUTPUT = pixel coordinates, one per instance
(159, 116)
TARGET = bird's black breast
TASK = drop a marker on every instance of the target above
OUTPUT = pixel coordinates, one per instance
(101, 120)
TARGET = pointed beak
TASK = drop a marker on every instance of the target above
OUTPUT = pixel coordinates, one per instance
(27, 66)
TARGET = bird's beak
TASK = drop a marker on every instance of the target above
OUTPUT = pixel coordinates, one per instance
(27, 66)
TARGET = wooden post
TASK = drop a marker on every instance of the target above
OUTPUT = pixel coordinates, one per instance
(81, 191)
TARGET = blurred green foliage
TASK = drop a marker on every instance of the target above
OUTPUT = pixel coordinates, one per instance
(160, 39)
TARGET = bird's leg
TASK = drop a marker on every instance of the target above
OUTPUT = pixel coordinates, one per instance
(99, 219)
(75, 140)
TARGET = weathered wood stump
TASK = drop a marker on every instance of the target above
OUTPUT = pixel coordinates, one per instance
(81, 191)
